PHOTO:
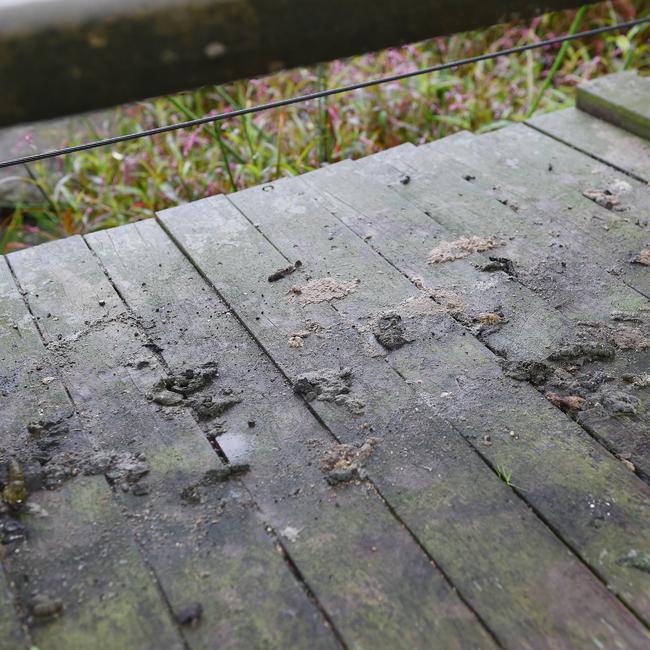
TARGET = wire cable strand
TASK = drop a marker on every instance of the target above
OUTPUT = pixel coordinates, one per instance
(210, 119)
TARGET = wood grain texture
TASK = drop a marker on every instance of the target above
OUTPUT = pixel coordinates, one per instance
(562, 263)
(605, 142)
(10, 629)
(361, 408)
(356, 557)
(389, 220)
(420, 465)
(203, 538)
(548, 177)
(76, 548)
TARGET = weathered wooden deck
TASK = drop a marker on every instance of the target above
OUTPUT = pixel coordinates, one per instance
(433, 433)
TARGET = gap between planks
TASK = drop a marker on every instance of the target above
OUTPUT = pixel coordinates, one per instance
(181, 244)
(59, 503)
(414, 159)
(291, 565)
(270, 548)
(517, 490)
(147, 231)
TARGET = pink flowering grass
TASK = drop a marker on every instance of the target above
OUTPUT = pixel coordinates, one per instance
(108, 187)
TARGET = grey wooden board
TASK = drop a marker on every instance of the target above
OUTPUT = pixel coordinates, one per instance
(622, 99)
(549, 177)
(81, 552)
(558, 263)
(10, 629)
(400, 148)
(441, 144)
(344, 542)
(404, 235)
(215, 552)
(599, 139)
(78, 553)
(425, 477)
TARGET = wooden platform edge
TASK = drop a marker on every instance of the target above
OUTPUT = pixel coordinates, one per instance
(614, 99)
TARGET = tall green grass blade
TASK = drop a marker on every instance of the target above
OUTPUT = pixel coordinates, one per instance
(559, 59)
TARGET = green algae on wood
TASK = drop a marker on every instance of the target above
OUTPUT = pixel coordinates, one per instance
(545, 179)
(108, 364)
(106, 591)
(420, 465)
(357, 559)
(11, 631)
(401, 233)
(75, 536)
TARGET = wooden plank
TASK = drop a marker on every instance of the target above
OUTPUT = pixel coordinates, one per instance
(532, 203)
(26, 396)
(366, 545)
(10, 629)
(405, 235)
(72, 544)
(622, 99)
(605, 142)
(562, 471)
(544, 176)
(563, 263)
(546, 181)
(98, 575)
(524, 218)
(215, 552)
(436, 484)
(115, 51)
(405, 147)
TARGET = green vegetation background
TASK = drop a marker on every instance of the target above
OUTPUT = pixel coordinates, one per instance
(108, 187)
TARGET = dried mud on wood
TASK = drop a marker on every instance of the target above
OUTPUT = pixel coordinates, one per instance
(642, 258)
(450, 251)
(176, 390)
(189, 615)
(500, 264)
(122, 469)
(344, 463)
(197, 493)
(322, 290)
(610, 198)
(328, 385)
(54, 452)
(583, 376)
(390, 331)
(44, 606)
(188, 382)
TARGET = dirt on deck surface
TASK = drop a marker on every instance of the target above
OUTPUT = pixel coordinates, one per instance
(449, 251)
(322, 290)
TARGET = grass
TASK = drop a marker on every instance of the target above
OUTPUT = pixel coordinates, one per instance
(108, 187)
(504, 474)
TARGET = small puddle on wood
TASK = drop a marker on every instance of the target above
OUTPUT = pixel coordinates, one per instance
(236, 445)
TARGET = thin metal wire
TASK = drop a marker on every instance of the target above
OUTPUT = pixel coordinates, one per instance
(210, 119)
